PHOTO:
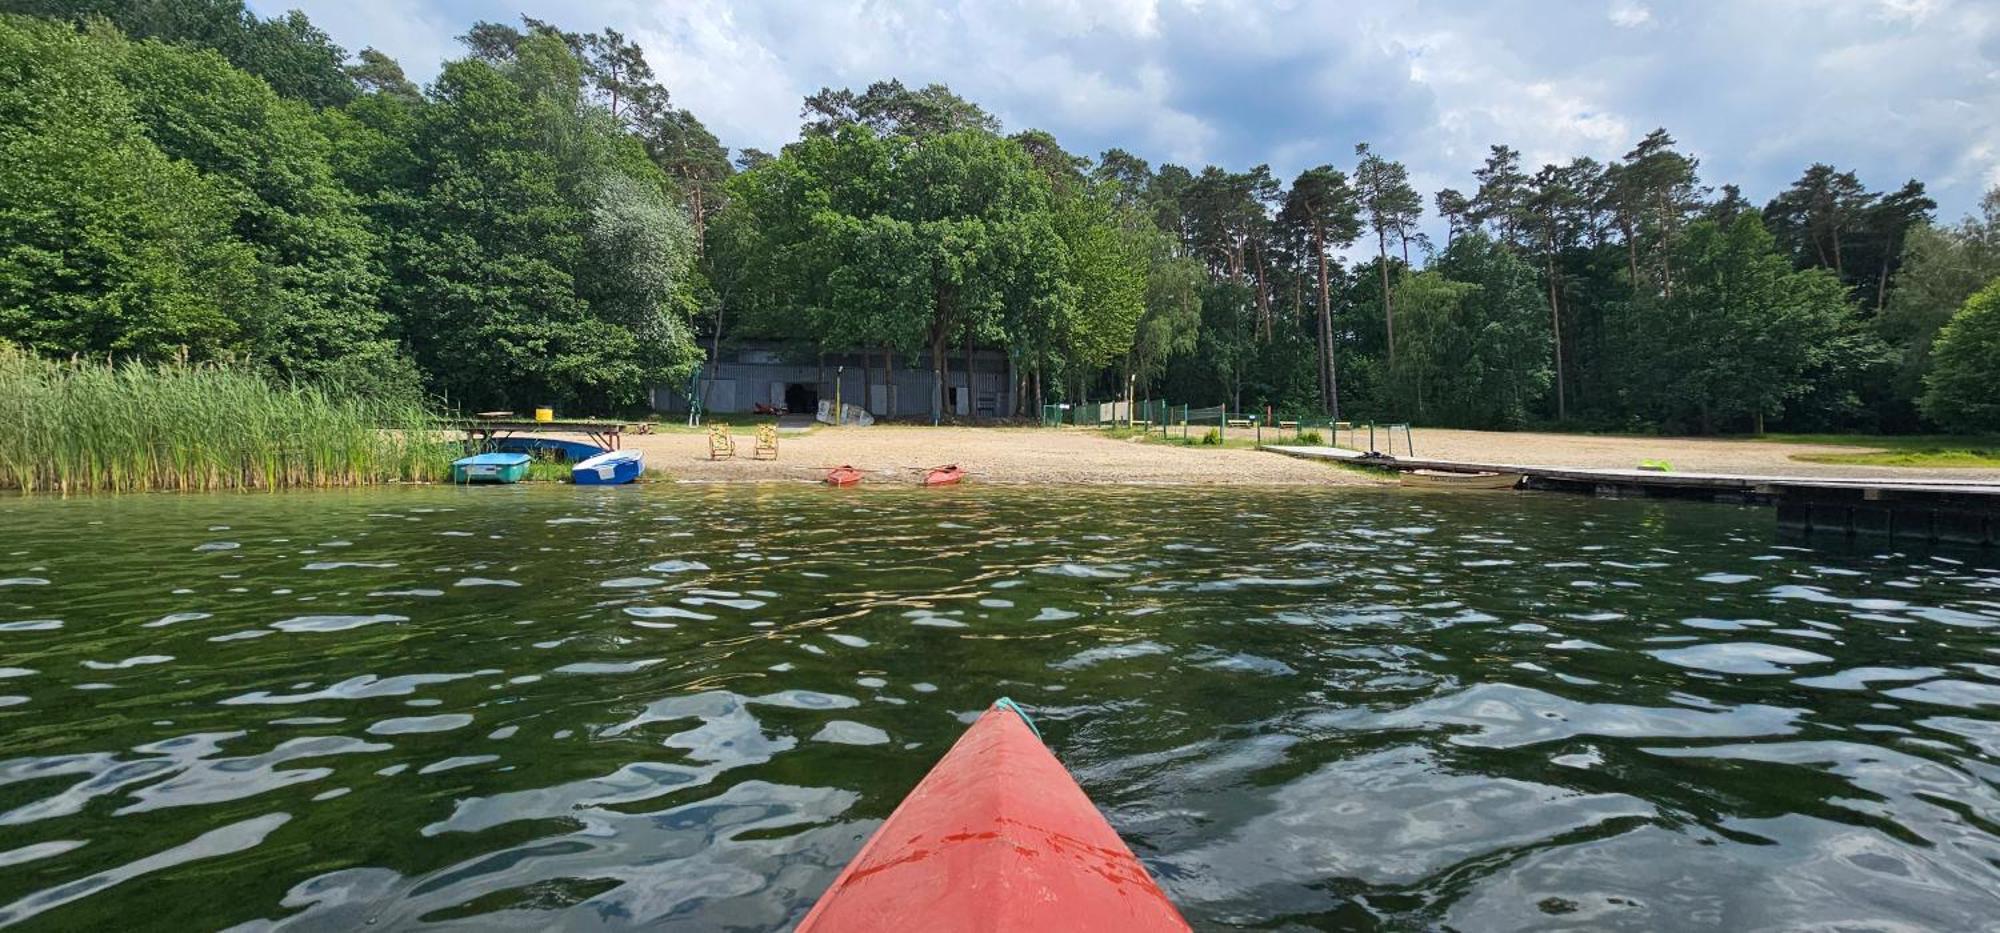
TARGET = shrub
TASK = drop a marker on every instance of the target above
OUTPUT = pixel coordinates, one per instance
(1962, 392)
(1311, 439)
(1213, 438)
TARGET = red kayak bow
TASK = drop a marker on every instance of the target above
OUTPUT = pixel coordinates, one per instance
(943, 476)
(843, 476)
(998, 837)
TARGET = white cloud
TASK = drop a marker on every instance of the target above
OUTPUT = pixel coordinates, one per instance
(1629, 14)
(1892, 88)
(1913, 10)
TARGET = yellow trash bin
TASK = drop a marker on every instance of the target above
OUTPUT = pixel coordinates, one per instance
(544, 413)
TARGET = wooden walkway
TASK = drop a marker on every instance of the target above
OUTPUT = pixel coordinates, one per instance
(1951, 511)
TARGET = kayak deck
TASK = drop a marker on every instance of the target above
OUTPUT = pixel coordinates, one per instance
(997, 836)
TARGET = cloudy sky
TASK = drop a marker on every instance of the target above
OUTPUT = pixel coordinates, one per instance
(1757, 89)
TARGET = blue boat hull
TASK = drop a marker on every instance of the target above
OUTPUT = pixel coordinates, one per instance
(548, 448)
(615, 468)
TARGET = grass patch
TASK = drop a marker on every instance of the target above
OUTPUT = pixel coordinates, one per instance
(85, 426)
(1886, 441)
(1900, 450)
(1946, 457)
(1210, 438)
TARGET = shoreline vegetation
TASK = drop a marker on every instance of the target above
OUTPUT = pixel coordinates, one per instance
(86, 426)
(543, 223)
(239, 257)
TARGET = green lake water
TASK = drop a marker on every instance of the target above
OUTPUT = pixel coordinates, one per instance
(684, 707)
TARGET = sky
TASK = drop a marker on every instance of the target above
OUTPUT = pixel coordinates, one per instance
(1756, 89)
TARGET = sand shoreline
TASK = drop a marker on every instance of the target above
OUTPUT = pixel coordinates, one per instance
(1032, 456)
(897, 455)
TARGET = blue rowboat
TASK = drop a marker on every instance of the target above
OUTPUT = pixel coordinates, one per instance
(547, 448)
(490, 468)
(612, 468)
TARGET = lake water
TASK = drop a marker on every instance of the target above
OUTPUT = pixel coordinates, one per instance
(686, 707)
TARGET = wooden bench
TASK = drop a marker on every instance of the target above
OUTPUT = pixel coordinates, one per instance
(1288, 426)
(1237, 422)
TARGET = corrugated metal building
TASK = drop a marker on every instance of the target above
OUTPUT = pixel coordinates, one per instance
(754, 373)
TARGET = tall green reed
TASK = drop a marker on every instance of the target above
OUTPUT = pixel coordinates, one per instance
(84, 426)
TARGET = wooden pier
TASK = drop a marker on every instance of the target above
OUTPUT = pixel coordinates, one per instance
(1959, 512)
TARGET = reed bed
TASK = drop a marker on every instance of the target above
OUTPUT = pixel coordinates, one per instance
(78, 426)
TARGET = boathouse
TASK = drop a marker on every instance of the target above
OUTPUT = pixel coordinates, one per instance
(888, 385)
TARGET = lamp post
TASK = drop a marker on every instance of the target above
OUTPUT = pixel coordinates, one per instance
(837, 380)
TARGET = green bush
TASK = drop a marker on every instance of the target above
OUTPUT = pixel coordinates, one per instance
(1213, 438)
(1311, 439)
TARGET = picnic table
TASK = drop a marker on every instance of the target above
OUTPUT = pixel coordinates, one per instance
(603, 432)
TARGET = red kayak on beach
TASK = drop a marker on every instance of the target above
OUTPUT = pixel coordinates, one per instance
(997, 837)
(943, 476)
(843, 475)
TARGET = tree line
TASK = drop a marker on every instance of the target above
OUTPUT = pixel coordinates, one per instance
(541, 223)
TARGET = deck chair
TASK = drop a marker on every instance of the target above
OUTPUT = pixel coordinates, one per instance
(767, 442)
(720, 445)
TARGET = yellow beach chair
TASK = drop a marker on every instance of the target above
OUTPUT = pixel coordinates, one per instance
(720, 445)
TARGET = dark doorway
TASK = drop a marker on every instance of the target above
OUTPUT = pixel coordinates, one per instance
(802, 399)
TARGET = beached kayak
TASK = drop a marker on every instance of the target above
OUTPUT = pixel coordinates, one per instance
(997, 837)
(610, 468)
(843, 476)
(943, 476)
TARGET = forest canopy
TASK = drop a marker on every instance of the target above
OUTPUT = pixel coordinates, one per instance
(541, 223)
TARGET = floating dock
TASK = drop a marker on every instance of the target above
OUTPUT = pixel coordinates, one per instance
(1960, 512)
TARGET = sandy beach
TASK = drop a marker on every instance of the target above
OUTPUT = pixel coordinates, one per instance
(994, 455)
(1070, 456)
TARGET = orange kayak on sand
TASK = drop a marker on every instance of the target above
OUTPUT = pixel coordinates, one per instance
(997, 837)
(943, 476)
(843, 475)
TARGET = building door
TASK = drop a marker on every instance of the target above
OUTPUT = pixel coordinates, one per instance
(802, 399)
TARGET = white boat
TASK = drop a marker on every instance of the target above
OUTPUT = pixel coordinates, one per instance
(611, 468)
(1450, 480)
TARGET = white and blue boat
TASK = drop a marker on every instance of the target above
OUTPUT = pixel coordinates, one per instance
(611, 468)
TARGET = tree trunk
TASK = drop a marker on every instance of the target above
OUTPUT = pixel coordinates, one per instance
(1631, 250)
(938, 375)
(1757, 423)
(1882, 286)
(714, 357)
(971, 404)
(699, 216)
(868, 381)
(1556, 327)
(1666, 248)
(1327, 331)
(1263, 295)
(1388, 306)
